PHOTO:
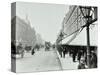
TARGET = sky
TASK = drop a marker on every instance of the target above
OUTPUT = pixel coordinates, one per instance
(45, 18)
(47, 21)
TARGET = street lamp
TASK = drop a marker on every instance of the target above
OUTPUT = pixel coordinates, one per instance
(86, 12)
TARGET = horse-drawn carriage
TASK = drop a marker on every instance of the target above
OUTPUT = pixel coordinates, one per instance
(17, 50)
(47, 46)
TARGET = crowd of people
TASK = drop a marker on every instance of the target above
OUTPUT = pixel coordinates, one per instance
(79, 54)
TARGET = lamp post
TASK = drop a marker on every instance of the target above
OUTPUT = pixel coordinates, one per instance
(86, 14)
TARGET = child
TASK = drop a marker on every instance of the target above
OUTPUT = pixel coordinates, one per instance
(82, 64)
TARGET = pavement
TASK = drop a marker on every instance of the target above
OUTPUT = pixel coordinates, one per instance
(67, 63)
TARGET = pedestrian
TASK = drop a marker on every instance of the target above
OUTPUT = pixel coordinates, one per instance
(80, 52)
(22, 53)
(93, 60)
(74, 55)
(32, 51)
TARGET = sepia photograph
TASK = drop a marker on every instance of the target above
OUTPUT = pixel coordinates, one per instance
(53, 37)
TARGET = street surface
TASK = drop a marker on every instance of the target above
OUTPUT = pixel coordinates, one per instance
(40, 61)
(44, 61)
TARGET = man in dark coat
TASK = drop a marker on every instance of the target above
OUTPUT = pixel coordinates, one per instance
(74, 55)
(93, 60)
(80, 52)
(32, 51)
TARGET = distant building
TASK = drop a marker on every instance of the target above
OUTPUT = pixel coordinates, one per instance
(21, 31)
(39, 39)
